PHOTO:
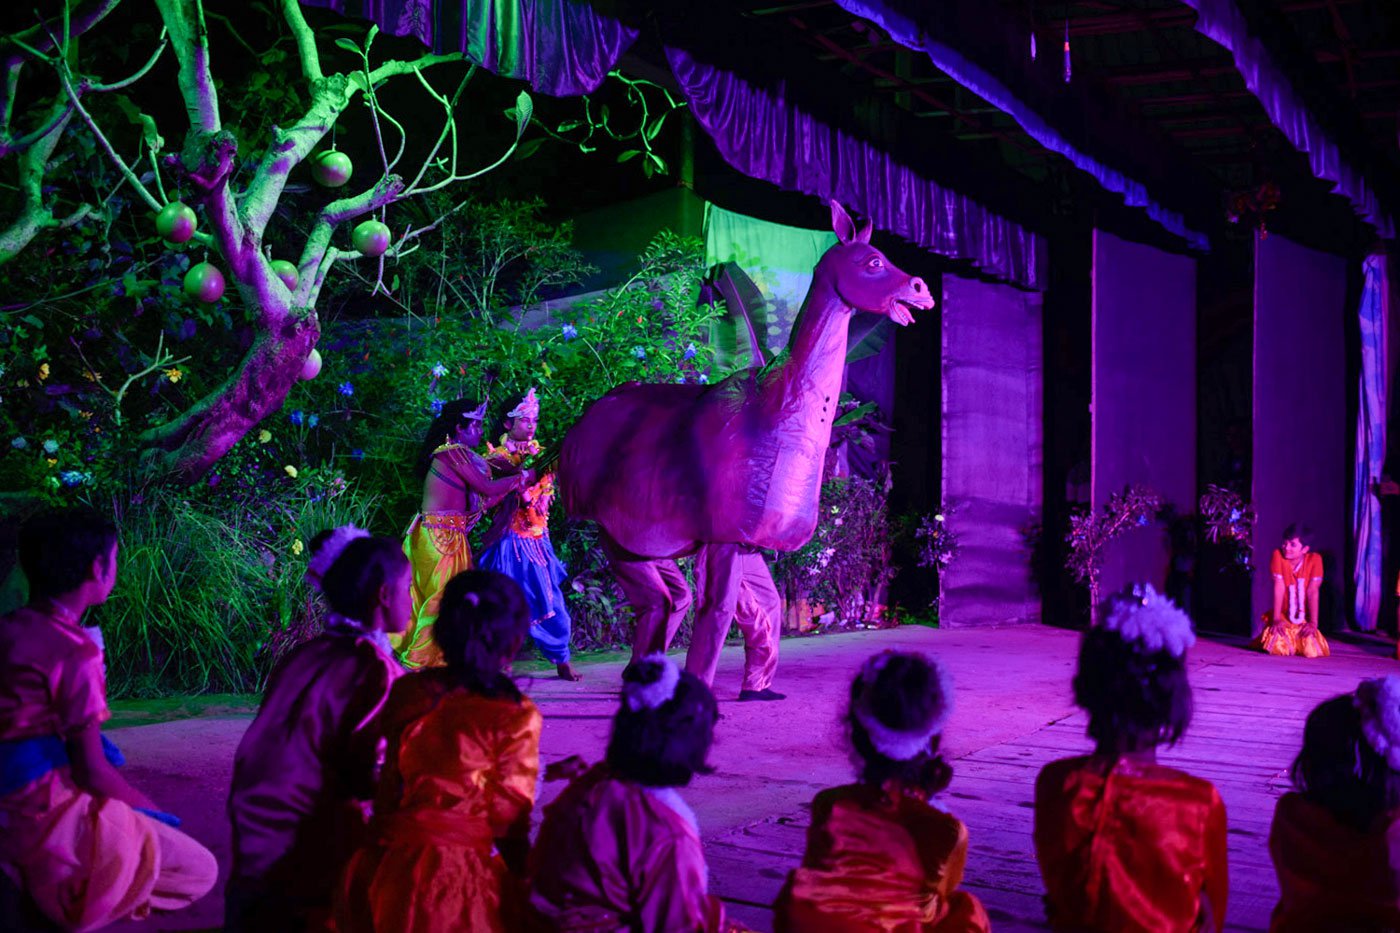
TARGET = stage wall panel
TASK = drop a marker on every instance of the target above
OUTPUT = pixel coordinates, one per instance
(992, 448)
(1144, 395)
(1301, 438)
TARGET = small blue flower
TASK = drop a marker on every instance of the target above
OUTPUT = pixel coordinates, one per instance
(438, 371)
(346, 389)
(690, 352)
(435, 405)
(296, 417)
(1142, 521)
(658, 305)
(704, 377)
(1234, 515)
(639, 353)
(70, 478)
(313, 421)
(50, 447)
(19, 443)
(357, 454)
(569, 331)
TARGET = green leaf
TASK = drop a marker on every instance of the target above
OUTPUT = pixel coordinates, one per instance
(855, 414)
(348, 45)
(654, 128)
(146, 122)
(657, 161)
(359, 79)
(568, 126)
(524, 110)
(33, 321)
(628, 155)
(529, 147)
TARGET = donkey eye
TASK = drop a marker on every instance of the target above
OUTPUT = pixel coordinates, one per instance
(875, 262)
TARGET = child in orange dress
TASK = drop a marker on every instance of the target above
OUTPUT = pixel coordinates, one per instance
(881, 854)
(310, 757)
(1335, 841)
(619, 849)
(1292, 623)
(84, 847)
(452, 817)
(1125, 844)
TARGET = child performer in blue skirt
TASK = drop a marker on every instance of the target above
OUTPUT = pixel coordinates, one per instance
(518, 543)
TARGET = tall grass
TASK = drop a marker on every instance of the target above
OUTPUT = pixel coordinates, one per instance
(207, 599)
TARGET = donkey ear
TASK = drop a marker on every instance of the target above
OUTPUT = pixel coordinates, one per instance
(841, 223)
(863, 234)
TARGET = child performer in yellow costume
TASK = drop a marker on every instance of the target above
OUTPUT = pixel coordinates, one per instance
(1292, 623)
(457, 491)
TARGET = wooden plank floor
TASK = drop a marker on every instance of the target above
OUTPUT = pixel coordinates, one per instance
(1247, 728)
(1013, 714)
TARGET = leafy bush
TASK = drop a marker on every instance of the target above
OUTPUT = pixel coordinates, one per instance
(846, 565)
(209, 598)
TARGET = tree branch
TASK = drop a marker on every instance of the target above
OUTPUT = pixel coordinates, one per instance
(305, 38)
(140, 72)
(191, 41)
(75, 98)
(33, 214)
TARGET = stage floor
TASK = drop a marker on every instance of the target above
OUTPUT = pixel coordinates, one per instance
(1013, 714)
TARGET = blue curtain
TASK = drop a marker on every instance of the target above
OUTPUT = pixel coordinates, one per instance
(1370, 442)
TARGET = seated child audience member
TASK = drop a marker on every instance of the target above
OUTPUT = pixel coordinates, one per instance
(83, 846)
(1335, 842)
(881, 855)
(619, 849)
(1124, 843)
(1291, 626)
(311, 755)
(452, 816)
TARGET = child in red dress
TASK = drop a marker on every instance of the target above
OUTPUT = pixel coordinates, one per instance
(451, 821)
(881, 854)
(1125, 844)
(83, 846)
(1335, 841)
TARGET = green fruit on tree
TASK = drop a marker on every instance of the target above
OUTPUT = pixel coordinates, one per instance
(332, 168)
(312, 367)
(205, 283)
(287, 272)
(176, 222)
(371, 238)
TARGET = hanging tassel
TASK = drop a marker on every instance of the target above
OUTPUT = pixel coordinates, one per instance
(1068, 71)
(1032, 43)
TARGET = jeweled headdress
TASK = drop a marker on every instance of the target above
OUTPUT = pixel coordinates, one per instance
(529, 406)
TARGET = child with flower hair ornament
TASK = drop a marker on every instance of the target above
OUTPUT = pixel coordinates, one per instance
(619, 849)
(518, 543)
(310, 758)
(1335, 840)
(1124, 843)
(881, 855)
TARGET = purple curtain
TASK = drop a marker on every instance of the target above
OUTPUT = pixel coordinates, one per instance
(1222, 22)
(762, 135)
(566, 47)
(903, 28)
(561, 47)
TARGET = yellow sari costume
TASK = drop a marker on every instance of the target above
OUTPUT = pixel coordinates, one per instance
(438, 549)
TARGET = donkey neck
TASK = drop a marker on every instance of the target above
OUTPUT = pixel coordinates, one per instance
(817, 347)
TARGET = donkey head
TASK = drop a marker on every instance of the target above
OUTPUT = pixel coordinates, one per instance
(864, 278)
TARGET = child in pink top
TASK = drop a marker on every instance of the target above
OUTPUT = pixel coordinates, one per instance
(86, 848)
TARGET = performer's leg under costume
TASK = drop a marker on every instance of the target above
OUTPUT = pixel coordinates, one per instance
(733, 580)
(659, 595)
(532, 563)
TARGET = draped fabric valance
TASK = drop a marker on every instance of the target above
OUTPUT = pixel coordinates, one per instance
(1222, 22)
(567, 47)
(912, 25)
